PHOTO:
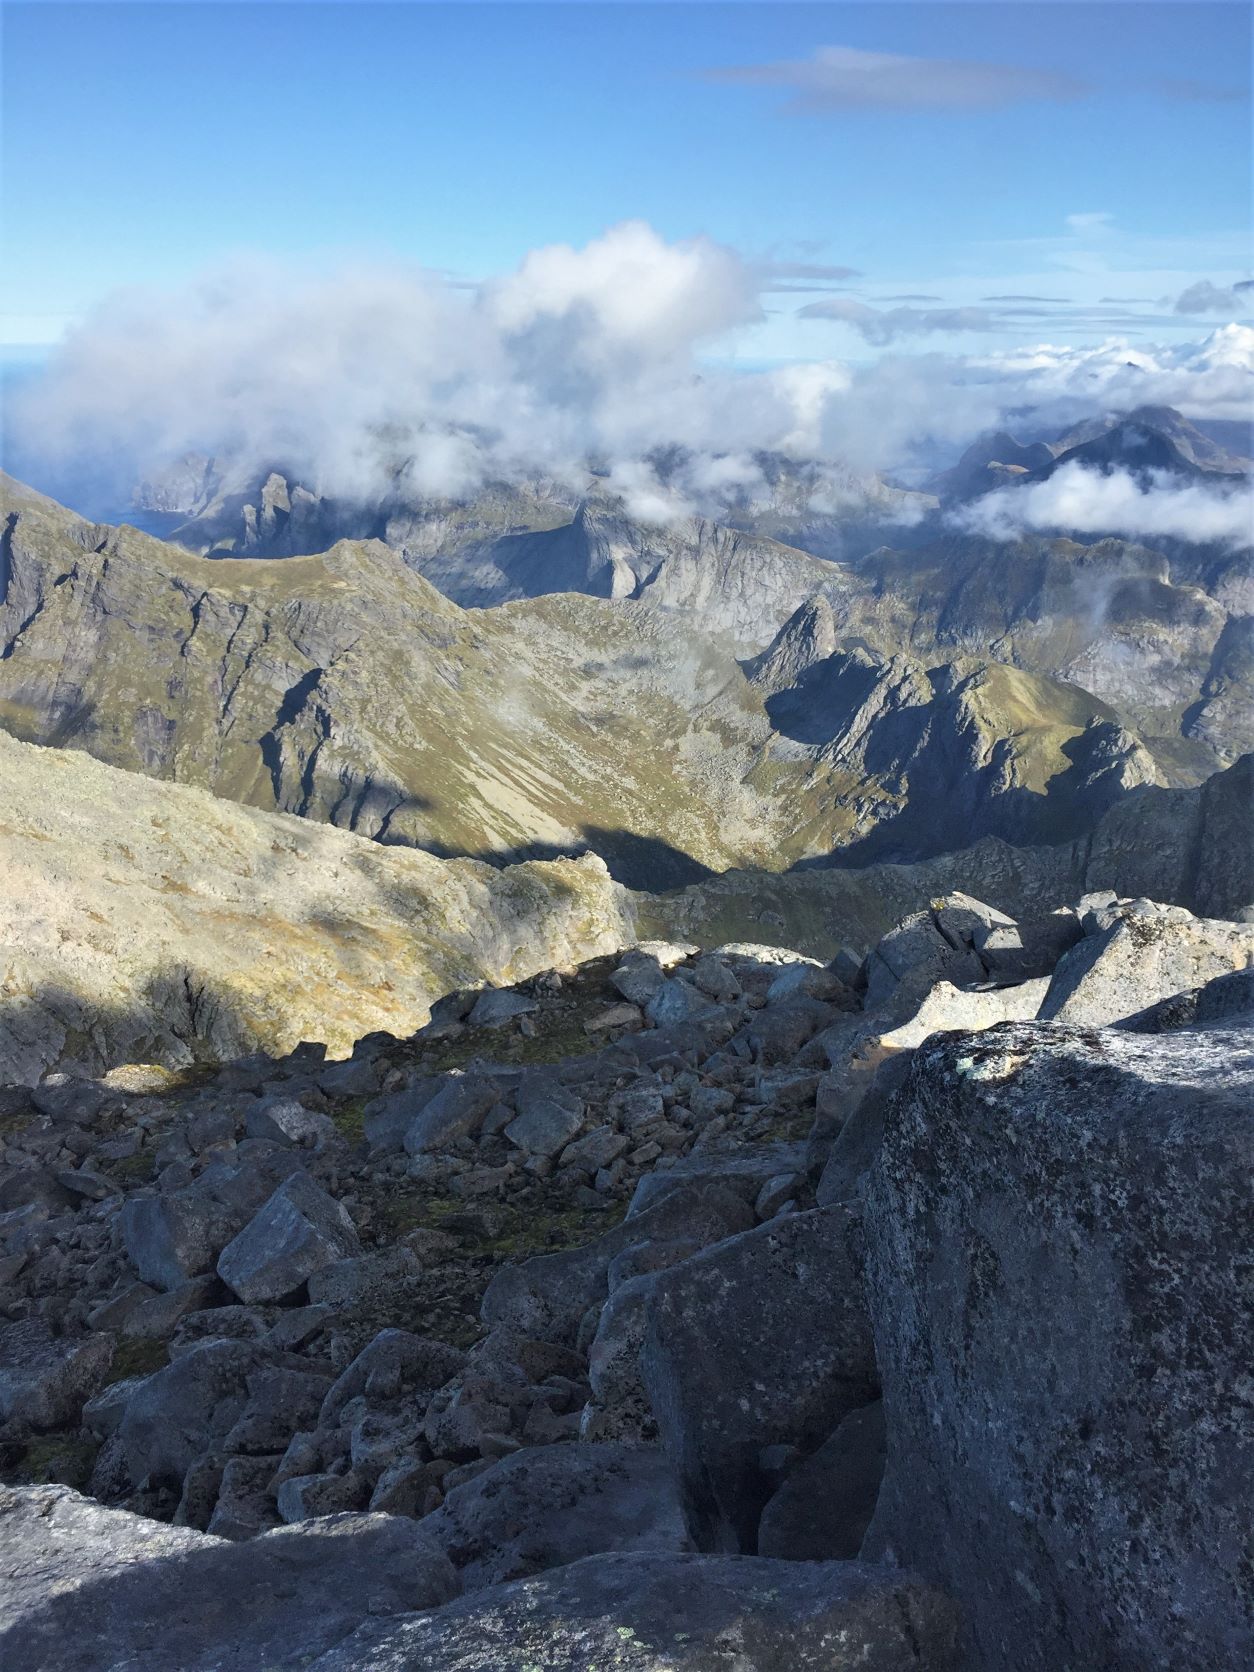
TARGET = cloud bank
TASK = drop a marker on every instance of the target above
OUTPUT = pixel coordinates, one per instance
(1076, 500)
(369, 382)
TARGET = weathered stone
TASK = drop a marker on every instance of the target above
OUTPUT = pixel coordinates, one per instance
(179, 1412)
(546, 1296)
(597, 1148)
(638, 977)
(1140, 959)
(549, 1505)
(179, 1235)
(298, 1231)
(303, 1497)
(822, 1510)
(285, 1121)
(394, 1363)
(760, 1341)
(674, 1002)
(548, 1117)
(244, 1506)
(363, 1278)
(456, 1111)
(640, 1612)
(1062, 1328)
(495, 1006)
(89, 1589)
(858, 1142)
(1227, 1000)
(44, 1379)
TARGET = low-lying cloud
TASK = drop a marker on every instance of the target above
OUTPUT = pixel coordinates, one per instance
(882, 325)
(380, 382)
(1082, 501)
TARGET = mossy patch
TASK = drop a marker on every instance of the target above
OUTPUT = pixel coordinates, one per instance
(55, 1459)
(136, 1355)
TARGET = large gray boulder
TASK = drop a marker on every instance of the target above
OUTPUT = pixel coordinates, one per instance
(178, 1234)
(299, 1231)
(456, 1111)
(650, 1613)
(1056, 1261)
(45, 1380)
(1145, 956)
(89, 1589)
(180, 1412)
(547, 1296)
(549, 1505)
(760, 1342)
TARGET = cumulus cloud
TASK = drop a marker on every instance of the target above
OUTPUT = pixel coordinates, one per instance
(845, 78)
(372, 382)
(1084, 501)
(1205, 297)
(882, 325)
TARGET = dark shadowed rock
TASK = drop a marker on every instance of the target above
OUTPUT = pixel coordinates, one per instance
(1225, 1001)
(822, 1510)
(646, 1613)
(549, 1505)
(89, 1589)
(299, 1231)
(45, 1380)
(455, 1111)
(1057, 1276)
(547, 1296)
(178, 1413)
(759, 1342)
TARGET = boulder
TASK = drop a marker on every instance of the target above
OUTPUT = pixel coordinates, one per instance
(672, 1613)
(363, 1279)
(179, 1234)
(822, 1510)
(285, 1121)
(758, 1342)
(299, 1231)
(177, 1413)
(45, 1380)
(1226, 1000)
(394, 1363)
(1055, 1269)
(549, 1505)
(547, 1296)
(929, 946)
(456, 1111)
(857, 1144)
(1140, 959)
(89, 1589)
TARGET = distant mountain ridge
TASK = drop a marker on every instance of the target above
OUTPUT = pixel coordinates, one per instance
(347, 689)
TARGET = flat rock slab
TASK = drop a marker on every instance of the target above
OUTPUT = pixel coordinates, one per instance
(550, 1505)
(89, 1589)
(1057, 1269)
(299, 1231)
(672, 1614)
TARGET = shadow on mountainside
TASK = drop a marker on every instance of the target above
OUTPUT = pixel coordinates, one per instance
(638, 862)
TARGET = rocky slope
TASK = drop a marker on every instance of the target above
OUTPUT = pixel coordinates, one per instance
(345, 688)
(683, 1304)
(153, 922)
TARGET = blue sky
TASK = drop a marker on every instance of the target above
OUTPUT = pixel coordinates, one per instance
(1106, 155)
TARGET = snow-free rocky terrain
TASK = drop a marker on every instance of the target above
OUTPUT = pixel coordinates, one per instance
(671, 1310)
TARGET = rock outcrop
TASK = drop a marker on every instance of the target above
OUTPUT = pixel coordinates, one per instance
(1055, 1274)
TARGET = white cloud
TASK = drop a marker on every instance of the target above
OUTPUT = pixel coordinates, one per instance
(362, 379)
(1084, 501)
(845, 78)
(1205, 297)
(881, 325)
